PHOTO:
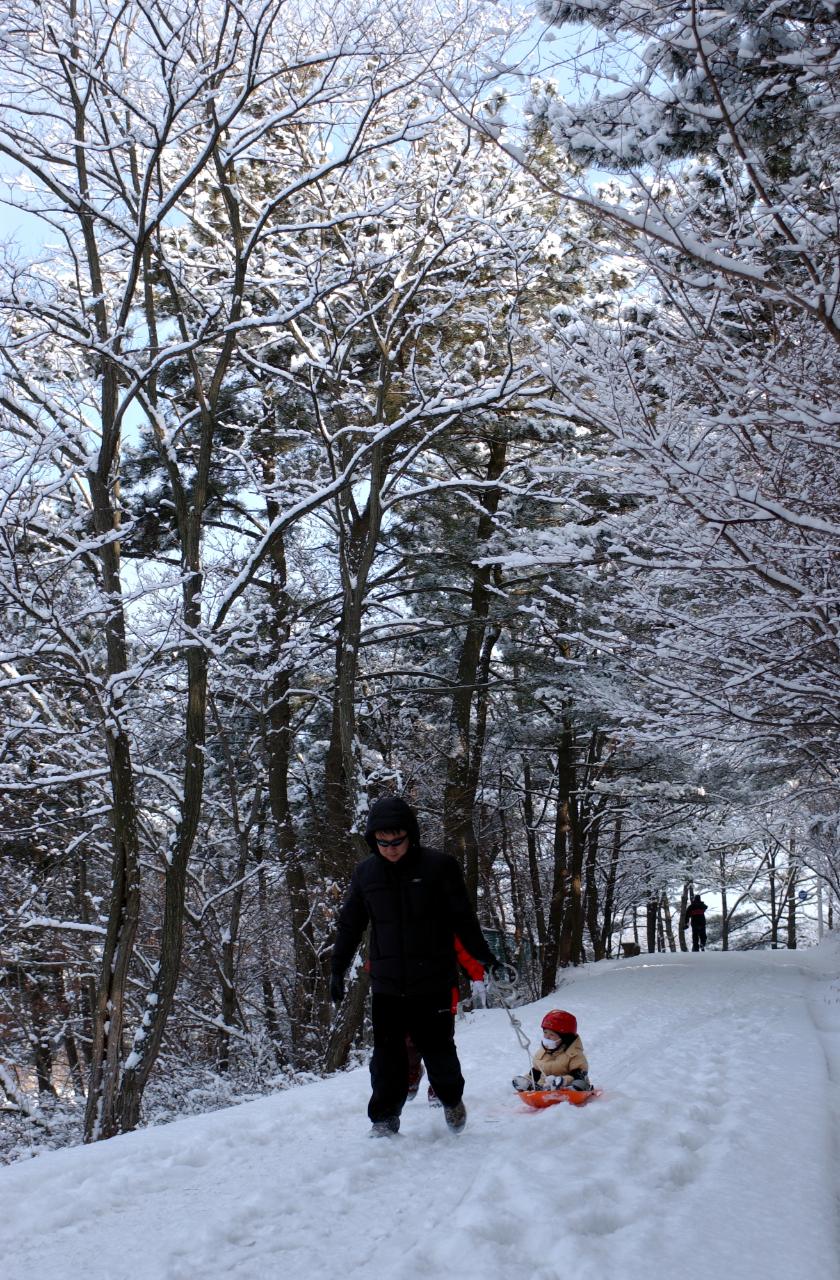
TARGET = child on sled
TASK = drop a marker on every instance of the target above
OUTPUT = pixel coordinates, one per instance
(560, 1062)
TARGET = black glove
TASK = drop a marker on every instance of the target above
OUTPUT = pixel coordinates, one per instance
(336, 988)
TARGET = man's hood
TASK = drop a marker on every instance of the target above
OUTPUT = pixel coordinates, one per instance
(392, 813)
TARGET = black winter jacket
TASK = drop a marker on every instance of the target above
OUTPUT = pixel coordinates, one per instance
(695, 913)
(415, 907)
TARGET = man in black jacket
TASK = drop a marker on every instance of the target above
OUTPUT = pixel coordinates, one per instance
(415, 901)
(696, 917)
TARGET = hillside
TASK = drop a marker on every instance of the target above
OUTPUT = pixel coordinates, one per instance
(712, 1153)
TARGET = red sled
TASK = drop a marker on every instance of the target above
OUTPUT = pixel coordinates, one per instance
(540, 1098)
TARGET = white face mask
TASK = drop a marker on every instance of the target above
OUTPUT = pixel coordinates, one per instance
(551, 1044)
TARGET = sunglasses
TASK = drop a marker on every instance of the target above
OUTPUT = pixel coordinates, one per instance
(390, 844)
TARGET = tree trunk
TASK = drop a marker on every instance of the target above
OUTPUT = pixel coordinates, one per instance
(531, 846)
(651, 913)
(571, 935)
(461, 777)
(592, 842)
(62, 1004)
(562, 844)
(108, 1012)
(102, 1108)
(471, 851)
(684, 896)
(348, 1023)
(229, 1004)
(42, 1057)
(793, 873)
(272, 1024)
(517, 892)
(666, 916)
(87, 985)
(307, 979)
(159, 1001)
(609, 894)
(343, 781)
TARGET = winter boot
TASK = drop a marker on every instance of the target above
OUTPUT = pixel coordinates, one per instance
(434, 1100)
(456, 1117)
(385, 1128)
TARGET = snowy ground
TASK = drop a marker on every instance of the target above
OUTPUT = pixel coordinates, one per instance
(713, 1153)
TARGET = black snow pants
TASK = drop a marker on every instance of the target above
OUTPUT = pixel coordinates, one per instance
(698, 933)
(429, 1022)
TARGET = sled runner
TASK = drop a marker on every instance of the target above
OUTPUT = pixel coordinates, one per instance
(540, 1098)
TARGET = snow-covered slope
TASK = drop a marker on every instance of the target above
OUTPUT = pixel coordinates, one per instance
(713, 1153)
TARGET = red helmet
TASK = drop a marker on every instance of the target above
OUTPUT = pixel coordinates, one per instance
(561, 1022)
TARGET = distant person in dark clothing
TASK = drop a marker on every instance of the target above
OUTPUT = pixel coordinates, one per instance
(415, 901)
(696, 917)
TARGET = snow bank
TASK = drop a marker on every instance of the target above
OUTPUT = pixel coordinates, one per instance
(713, 1152)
